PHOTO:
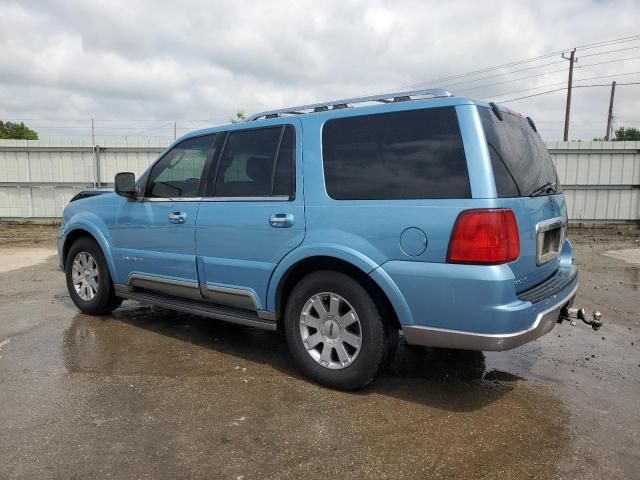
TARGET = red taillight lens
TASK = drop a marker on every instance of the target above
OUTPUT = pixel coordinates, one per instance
(486, 237)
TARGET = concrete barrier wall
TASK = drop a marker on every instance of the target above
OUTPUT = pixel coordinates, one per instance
(37, 178)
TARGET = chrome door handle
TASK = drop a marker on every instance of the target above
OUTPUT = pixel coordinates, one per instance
(177, 217)
(281, 220)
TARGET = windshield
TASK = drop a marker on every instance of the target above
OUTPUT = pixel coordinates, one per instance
(521, 163)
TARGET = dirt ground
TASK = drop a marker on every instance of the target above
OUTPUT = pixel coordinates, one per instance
(148, 393)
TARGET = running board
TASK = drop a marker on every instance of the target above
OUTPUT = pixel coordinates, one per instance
(195, 307)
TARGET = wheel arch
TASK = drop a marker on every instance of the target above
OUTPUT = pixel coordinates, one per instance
(82, 231)
(308, 265)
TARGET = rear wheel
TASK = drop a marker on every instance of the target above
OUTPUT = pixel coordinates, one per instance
(335, 331)
(88, 279)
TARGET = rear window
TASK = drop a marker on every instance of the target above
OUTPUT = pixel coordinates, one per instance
(521, 162)
(415, 154)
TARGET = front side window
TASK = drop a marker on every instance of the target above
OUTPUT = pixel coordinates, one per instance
(413, 154)
(178, 173)
(257, 163)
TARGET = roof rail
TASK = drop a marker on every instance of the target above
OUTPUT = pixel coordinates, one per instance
(348, 102)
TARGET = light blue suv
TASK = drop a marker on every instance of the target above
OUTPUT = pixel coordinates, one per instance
(341, 224)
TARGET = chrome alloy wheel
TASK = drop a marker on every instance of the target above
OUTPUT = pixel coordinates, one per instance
(330, 330)
(84, 275)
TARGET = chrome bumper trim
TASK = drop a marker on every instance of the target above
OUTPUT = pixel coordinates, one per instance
(457, 339)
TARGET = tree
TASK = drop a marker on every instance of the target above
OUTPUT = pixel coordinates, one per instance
(17, 131)
(628, 133)
(238, 117)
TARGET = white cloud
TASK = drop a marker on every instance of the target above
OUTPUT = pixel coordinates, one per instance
(202, 59)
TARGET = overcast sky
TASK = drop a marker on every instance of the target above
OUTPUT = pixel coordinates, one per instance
(145, 64)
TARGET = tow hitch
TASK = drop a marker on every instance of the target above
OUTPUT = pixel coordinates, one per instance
(573, 314)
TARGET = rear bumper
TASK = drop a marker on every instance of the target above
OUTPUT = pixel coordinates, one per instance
(544, 322)
(475, 307)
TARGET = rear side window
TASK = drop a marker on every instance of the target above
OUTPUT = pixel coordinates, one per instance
(520, 160)
(285, 165)
(257, 163)
(415, 154)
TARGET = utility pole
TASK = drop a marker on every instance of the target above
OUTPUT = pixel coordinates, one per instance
(93, 134)
(610, 116)
(572, 59)
(175, 131)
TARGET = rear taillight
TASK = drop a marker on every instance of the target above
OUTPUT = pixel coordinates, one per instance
(485, 237)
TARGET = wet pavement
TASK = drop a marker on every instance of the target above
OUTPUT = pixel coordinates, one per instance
(146, 392)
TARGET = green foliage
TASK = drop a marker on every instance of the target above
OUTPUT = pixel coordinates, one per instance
(238, 117)
(17, 131)
(628, 133)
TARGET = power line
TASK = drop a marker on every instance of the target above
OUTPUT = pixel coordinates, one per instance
(562, 89)
(560, 83)
(609, 42)
(606, 84)
(514, 80)
(609, 61)
(477, 72)
(607, 76)
(501, 74)
(528, 68)
(101, 135)
(610, 51)
(522, 61)
(36, 125)
(542, 86)
(87, 121)
(164, 125)
(589, 65)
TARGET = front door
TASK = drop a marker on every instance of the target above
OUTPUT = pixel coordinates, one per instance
(154, 237)
(252, 214)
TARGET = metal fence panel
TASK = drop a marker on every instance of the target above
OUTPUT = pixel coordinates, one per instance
(130, 156)
(35, 202)
(601, 180)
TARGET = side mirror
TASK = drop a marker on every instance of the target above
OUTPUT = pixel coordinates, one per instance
(126, 184)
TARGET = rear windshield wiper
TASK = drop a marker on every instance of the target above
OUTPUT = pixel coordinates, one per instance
(546, 189)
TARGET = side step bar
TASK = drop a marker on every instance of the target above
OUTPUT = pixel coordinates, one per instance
(195, 307)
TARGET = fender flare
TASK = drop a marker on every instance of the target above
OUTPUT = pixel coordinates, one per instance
(95, 227)
(348, 255)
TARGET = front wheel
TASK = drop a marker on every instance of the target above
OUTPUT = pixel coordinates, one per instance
(88, 279)
(335, 331)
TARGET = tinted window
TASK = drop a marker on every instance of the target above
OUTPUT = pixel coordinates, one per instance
(248, 166)
(398, 155)
(178, 173)
(521, 162)
(285, 166)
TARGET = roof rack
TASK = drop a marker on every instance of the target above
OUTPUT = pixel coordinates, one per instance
(348, 102)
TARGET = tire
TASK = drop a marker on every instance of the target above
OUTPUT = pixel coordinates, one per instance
(94, 294)
(319, 312)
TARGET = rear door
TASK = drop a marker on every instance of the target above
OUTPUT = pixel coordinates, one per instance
(252, 214)
(527, 182)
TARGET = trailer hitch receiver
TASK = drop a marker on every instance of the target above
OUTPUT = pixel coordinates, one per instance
(573, 314)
